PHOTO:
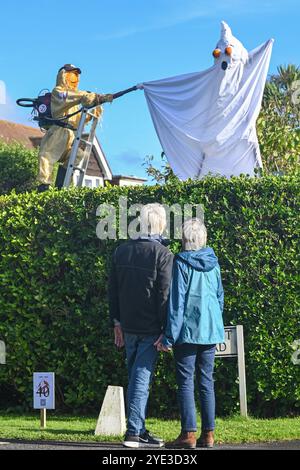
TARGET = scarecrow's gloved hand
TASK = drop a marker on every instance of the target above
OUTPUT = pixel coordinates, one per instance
(97, 111)
(105, 98)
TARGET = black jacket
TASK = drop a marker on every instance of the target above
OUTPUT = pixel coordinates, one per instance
(139, 286)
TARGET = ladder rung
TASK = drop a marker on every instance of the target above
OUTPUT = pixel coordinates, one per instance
(89, 144)
(78, 168)
(93, 115)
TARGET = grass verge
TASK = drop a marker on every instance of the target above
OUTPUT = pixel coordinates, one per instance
(81, 429)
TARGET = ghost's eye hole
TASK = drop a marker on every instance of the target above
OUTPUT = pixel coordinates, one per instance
(228, 50)
(217, 53)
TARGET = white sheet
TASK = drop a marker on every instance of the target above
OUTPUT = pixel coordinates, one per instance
(205, 121)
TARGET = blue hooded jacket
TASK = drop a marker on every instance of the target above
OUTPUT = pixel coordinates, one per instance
(196, 300)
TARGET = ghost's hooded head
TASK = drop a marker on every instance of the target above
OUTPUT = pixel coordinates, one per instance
(229, 51)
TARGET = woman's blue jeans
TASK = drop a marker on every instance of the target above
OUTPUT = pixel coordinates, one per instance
(141, 359)
(191, 357)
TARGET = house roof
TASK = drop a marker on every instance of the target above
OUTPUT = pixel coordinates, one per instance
(129, 177)
(31, 137)
(26, 135)
(101, 159)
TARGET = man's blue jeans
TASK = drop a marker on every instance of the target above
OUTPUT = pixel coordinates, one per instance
(141, 359)
(188, 358)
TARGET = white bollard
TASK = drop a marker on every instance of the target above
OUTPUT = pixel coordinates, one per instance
(112, 420)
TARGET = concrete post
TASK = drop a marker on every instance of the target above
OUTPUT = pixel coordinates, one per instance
(112, 420)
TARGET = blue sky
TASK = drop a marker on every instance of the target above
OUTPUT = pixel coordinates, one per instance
(119, 43)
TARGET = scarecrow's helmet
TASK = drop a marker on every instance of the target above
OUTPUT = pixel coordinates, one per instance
(229, 50)
(68, 77)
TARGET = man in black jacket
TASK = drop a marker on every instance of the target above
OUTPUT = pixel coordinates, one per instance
(138, 293)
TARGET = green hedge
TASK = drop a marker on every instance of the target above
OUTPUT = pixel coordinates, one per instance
(18, 168)
(53, 284)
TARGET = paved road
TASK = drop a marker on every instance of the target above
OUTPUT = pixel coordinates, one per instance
(53, 445)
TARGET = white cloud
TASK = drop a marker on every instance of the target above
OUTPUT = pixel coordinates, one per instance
(167, 22)
(178, 12)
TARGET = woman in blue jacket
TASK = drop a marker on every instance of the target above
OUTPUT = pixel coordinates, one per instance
(194, 327)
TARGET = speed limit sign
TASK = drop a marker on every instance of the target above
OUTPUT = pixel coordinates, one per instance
(43, 390)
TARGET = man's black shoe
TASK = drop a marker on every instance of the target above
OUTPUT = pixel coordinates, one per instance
(131, 441)
(145, 440)
(154, 438)
(43, 187)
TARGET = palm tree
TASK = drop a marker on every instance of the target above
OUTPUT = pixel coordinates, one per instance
(280, 91)
(278, 125)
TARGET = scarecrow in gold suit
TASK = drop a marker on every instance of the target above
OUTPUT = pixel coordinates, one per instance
(57, 142)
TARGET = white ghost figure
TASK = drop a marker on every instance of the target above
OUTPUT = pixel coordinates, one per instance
(206, 120)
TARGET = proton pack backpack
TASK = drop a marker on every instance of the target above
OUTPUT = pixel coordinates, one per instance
(41, 111)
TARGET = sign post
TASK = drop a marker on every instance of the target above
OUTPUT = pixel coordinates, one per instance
(43, 417)
(241, 369)
(234, 347)
(43, 394)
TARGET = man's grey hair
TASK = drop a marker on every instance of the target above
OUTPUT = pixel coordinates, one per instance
(194, 235)
(153, 219)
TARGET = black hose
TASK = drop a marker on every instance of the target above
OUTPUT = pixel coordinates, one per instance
(64, 117)
(22, 101)
(121, 93)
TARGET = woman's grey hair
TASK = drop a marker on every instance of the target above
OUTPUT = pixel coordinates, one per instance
(153, 219)
(194, 235)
